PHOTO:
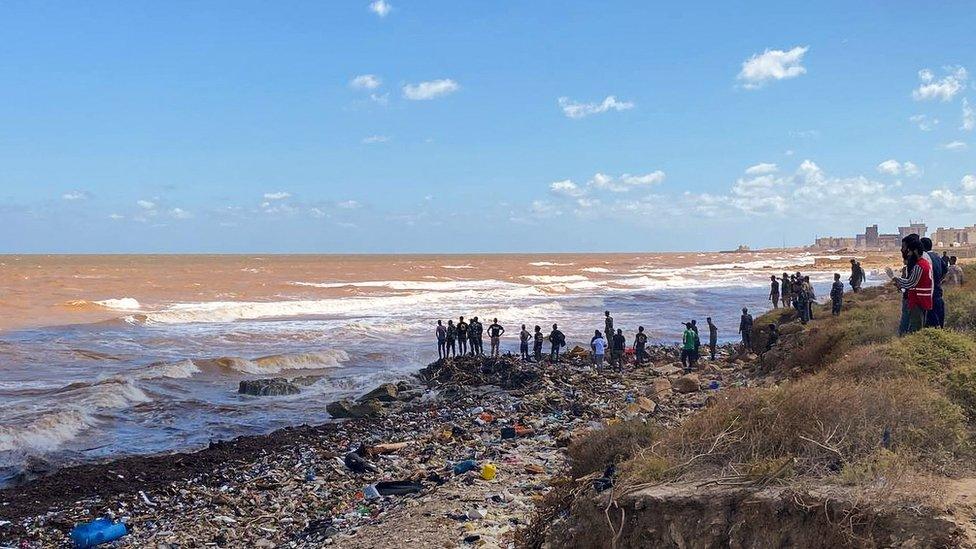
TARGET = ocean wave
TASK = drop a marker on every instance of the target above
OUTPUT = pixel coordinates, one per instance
(457, 266)
(121, 304)
(554, 279)
(549, 264)
(274, 364)
(416, 285)
(182, 369)
(596, 270)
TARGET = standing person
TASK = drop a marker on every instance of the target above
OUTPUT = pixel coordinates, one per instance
(836, 295)
(495, 331)
(694, 328)
(935, 317)
(774, 291)
(608, 324)
(802, 305)
(474, 337)
(462, 336)
(524, 337)
(745, 328)
(811, 296)
(796, 287)
(687, 347)
(955, 272)
(556, 340)
(640, 341)
(857, 276)
(599, 347)
(784, 289)
(451, 337)
(538, 338)
(441, 333)
(918, 283)
(617, 349)
(712, 337)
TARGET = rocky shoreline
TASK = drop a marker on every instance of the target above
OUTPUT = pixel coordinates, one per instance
(295, 487)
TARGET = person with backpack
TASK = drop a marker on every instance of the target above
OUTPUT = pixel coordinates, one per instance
(556, 340)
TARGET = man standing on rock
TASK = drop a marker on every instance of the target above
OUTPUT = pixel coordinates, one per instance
(640, 341)
(617, 350)
(713, 336)
(836, 295)
(556, 340)
(538, 338)
(451, 337)
(495, 331)
(774, 291)
(524, 337)
(745, 328)
(441, 340)
(608, 325)
(462, 336)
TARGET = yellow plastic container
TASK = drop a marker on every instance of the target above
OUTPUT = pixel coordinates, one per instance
(488, 471)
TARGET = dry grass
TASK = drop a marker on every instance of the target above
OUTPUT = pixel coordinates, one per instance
(609, 446)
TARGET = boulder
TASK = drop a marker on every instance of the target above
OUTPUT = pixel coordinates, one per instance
(384, 393)
(658, 389)
(686, 384)
(646, 405)
(669, 369)
(348, 409)
(268, 387)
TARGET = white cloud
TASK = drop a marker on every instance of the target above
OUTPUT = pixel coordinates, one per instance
(944, 89)
(366, 82)
(146, 204)
(968, 182)
(894, 167)
(115, 216)
(76, 195)
(574, 109)
(380, 7)
(280, 195)
(924, 122)
(626, 182)
(380, 99)
(349, 205)
(566, 188)
(375, 139)
(772, 65)
(955, 145)
(968, 116)
(430, 90)
(180, 213)
(764, 167)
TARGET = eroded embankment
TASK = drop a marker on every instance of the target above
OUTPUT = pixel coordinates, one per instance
(856, 438)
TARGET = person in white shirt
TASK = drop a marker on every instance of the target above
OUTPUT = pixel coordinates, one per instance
(599, 347)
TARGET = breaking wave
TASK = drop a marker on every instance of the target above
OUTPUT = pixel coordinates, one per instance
(121, 304)
(549, 264)
(554, 279)
(274, 364)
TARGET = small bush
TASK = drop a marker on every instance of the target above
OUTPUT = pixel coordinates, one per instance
(597, 449)
(935, 351)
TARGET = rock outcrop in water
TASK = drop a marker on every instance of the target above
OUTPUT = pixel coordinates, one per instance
(276, 386)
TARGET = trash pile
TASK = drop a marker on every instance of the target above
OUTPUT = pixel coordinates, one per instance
(460, 460)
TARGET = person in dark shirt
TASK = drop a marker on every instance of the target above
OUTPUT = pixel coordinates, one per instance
(537, 340)
(774, 291)
(524, 337)
(617, 349)
(495, 331)
(441, 333)
(640, 342)
(451, 338)
(745, 328)
(474, 337)
(462, 336)
(556, 340)
(713, 336)
(836, 295)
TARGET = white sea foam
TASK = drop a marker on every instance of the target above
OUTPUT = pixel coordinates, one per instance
(122, 304)
(182, 369)
(416, 285)
(274, 364)
(554, 279)
(457, 266)
(596, 270)
(549, 264)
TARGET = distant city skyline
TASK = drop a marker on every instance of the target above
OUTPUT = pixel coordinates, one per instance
(447, 127)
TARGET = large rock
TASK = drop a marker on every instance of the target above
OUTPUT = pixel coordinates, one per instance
(658, 389)
(348, 409)
(686, 384)
(268, 387)
(384, 393)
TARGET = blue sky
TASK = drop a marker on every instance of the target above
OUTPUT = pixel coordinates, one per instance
(399, 126)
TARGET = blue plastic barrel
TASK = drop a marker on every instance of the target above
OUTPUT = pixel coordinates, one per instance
(97, 532)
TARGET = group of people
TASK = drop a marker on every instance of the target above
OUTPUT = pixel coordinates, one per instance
(920, 281)
(795, 290)
(465, 338)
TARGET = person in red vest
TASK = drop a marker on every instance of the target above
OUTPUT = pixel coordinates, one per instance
(918, 282)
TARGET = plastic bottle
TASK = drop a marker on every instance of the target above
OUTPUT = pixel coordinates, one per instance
(488, 471)
(97, 532)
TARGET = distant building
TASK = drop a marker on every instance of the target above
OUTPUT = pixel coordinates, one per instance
(872, 239)
(948, 236)
(835, 242)
(916, 228)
